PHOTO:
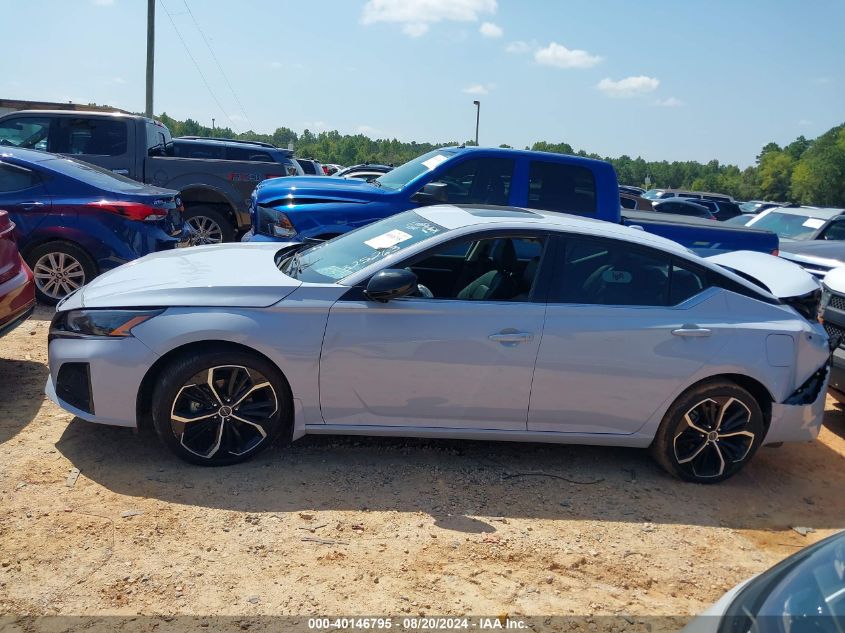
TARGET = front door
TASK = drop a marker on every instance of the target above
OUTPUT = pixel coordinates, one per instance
(460, 357)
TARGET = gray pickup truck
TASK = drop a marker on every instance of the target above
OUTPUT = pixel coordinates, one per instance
(215, 176)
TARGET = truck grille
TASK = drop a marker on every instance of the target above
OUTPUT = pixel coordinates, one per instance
(837, 302)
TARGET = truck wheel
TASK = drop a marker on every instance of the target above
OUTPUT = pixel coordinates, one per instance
(208, 226)
(59, 269)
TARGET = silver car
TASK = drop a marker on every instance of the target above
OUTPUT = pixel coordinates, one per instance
(479, 322)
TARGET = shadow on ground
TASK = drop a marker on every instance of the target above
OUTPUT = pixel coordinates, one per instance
(22, 383)
(795, 485)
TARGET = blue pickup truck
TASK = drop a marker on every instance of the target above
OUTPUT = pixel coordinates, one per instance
(303, 208)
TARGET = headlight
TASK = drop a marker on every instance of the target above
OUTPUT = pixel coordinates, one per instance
(274, 222)
(98, 323)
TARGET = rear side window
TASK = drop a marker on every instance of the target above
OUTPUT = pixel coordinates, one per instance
(91, 137)
(247, 153)
(602, 272)
(628, 203)
(29, 132)
(479, 181)
(14, 178)
(561, 187)
(307, 166)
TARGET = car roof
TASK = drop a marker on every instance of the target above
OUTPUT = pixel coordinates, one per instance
(825, 213)
(455, 217)
(692, 202)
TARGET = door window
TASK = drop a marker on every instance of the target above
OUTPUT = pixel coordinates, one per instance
(836, 231)
(479, 181)
(496, 269)
(561, 187)
(14, 178)
(92, 137)
(28, 132)
(610, 273)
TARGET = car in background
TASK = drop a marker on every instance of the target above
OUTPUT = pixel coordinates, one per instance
(75, 220)
(454, 322)
(331, 169)
(722, 210)
(832, 316)
(365, 171)
(631, 201)
(679, 206)
(756, 206)
(801, 223)
(310, 167)
(17, 285)
(630, 189)
(215, 148)
(660, 194)
(817, 257)
(805, 592)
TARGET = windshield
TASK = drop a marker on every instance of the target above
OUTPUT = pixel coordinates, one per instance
(350, 252)
(807, 588)
(652, 194)
(791, 226)
(402, 175)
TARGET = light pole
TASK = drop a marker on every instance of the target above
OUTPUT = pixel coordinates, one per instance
(151, 26)
(212, 126)
(477, 105)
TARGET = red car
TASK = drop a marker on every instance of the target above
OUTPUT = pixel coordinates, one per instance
(17, 284)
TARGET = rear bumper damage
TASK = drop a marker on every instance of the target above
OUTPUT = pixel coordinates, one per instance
(800, 416)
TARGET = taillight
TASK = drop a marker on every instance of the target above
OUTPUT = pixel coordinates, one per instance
(131, 210)
(776, 252)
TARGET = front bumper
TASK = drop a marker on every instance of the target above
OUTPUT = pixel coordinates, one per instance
(802, 421)
(836, 388)
(252, 236)
(115, 368)
(17, 299)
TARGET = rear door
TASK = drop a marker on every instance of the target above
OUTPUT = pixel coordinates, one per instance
(24, 196)
(625, 328)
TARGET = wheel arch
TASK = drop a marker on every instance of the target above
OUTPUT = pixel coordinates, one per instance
(757, 389)
(205, 195)
(143, 404)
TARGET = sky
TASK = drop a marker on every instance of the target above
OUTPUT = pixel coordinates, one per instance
(661, 79)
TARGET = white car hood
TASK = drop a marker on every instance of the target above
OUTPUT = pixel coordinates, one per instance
(783, 278)
(231, 275)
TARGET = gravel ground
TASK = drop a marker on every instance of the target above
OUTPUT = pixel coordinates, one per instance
(374, 527)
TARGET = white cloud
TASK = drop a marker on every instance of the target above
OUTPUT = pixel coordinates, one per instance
(671, 102)
(315, 125)
(478, 89)
(103, 3)
(805, 123)
(822, 81)
(628, 87)
(416, 16)
(488, 29)
(519, 47)
(561, 57)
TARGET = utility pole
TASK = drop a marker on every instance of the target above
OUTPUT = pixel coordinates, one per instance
(151, 28)
(477, 117)
(212, 126)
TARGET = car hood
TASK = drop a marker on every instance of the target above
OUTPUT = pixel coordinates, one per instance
(816, 250)
(783, 279)
(297, 189)
(230, 275)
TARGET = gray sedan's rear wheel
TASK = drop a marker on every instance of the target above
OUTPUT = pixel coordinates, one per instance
(220, 408)
(709, 433)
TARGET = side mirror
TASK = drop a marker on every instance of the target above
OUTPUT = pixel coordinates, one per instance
(391, 283)
(432, 193)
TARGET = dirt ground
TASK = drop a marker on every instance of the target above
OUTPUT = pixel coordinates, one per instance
(378, 527)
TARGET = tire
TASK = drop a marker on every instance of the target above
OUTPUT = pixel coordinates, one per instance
(59, 268)
(208, 226)
(709, 433)
(251, 393)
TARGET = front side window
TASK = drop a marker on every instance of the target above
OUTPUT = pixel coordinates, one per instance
(561, 187)
(14, 178)
(27, 132)
(479, 181)
(602, 272)
(91, 137)
(836, 231)
(494, 269)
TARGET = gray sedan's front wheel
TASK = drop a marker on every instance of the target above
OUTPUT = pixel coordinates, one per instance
(220, 408)
(709, 433)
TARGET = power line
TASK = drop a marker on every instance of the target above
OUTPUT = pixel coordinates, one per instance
(216, 61)
(196, 65)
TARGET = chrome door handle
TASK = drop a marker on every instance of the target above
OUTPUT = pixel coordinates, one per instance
(31, 204)
(691, 331)
(511, 337)
(120, 172)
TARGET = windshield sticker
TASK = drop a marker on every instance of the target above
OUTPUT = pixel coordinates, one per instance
(335, 272)
(813, 223)
(386, 240)
(434, 161)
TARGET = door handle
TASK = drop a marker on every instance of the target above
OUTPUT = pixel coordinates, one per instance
(121, 172)
(511, 337)
(691, 331)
